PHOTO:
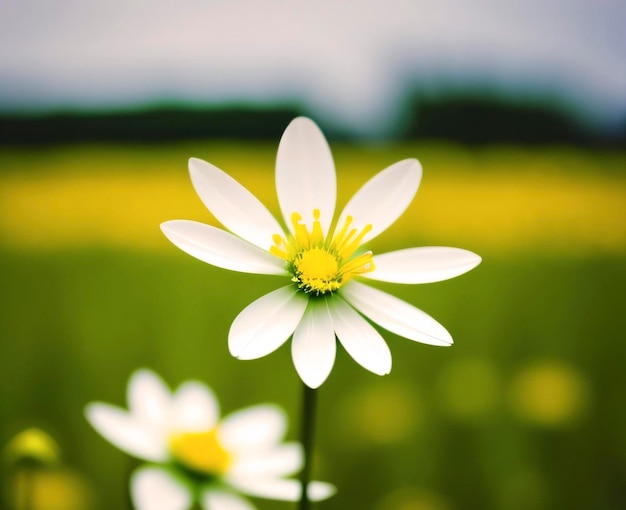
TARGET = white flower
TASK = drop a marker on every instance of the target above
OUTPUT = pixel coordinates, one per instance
(319, 258)
(195, 456)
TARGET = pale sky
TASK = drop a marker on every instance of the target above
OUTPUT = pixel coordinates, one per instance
(350, 60)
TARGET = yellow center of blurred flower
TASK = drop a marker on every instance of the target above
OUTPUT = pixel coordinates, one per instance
(201, 451)
(322, 264)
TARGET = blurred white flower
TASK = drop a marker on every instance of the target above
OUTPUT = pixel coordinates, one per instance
(319, 258)
(196, 457)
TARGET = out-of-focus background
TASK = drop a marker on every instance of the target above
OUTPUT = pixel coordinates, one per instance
(517, 111)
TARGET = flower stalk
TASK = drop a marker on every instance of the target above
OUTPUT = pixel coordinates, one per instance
(307, 434)
(26, 487)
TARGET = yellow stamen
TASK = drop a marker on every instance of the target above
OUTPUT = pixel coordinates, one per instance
(359, 265)
(200, 451)
(346, 249)
(322, 264)
(317, 236)
(342, 233)
(316, 271)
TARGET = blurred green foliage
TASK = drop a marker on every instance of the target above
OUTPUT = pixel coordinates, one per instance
(525, 411)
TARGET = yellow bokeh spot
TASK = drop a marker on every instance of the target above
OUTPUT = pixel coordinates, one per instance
(50, 489)
(549, 393)
(201, 451)
(33, 444)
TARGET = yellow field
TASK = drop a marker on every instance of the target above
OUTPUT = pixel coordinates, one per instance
(497, 200)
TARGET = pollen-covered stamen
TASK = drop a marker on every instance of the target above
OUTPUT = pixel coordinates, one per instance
(201, 452)
(319, 264)
(316, 270)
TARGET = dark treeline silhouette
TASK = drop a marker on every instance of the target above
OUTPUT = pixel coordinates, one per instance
(480, 119)
(465, 119)
(158, 124)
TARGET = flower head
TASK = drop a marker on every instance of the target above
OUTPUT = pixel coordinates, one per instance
(322, 259)
(195, 456)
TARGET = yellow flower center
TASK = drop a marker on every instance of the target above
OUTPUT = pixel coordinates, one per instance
(201, 452)
(322, 264)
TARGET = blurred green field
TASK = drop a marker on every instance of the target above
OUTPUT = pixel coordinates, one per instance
(525, 411)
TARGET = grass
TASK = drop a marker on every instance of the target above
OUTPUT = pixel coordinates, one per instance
(525, 411)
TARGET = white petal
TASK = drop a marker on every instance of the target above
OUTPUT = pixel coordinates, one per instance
(148, 397)
(220, 248)
(395, 315)
(156, 489)
(305, 173)
(313, 347)
(286, 490)
(284, 460)
(383, 198)
(127, 433)
(215, 499)
(319, 491)
(360, 338)
(233, 205)
(195, 407)
(257, 428)
(422, 265)
(265, 324)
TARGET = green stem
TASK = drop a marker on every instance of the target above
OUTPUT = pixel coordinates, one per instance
(28, 488)
(307, 428)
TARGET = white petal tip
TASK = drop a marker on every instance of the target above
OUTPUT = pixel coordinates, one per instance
(90, 410)
(438, 341)
(319, 491)
(195, 162)
(235, 353)
(96, 412)
(471, 260)
(311, 377)
(153, 487)
(248, 354)
(414, 163)
(383, 367)
(411, 166)
(167, 227)
(313, 382)
(303, 121)
(198, 167)
(383, 372)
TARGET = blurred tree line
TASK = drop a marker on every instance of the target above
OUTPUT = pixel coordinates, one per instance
(465, 118)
